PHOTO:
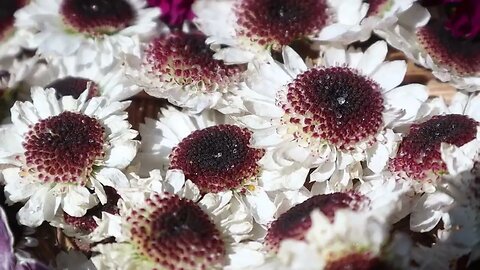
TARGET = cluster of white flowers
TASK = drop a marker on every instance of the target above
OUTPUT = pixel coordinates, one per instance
(291, 140)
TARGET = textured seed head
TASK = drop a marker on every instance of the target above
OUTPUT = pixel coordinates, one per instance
(97, 17)
(175, 234)
(217, 158)
(64, 148)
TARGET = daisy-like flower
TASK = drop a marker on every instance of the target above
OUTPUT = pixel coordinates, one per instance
(180, 229)
(294, 223)
(68, 77)
(426, 39)
(179, 66)
(13, 73)
(250, 28)
(212, 152)
(350, 240)
(94, 226)
(458, 240)
(61, 154)
(444, 141)
(331, 116)
(10, 37)
(93, 31)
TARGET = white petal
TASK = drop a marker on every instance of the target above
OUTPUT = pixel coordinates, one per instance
(112, 177)
(77, 201)
(390, 74)
(293, 61)
(429, 210)
(373, 57)
(377, 157)
(261, 206)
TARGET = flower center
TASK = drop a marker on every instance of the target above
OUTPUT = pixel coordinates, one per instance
(97, 17)
(87, 222)
(419, 153)
(279, 22)
(63, 148)
(217, 158)
(295, 223)
(7, 18)
(357, 261)
(186, 59)
(335, 104)
(177, 234)
(461, 56)
(74, 86)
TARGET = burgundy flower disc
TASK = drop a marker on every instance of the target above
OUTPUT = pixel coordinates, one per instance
(335, 104)
(7, 19)
(63, 148)
(419, 152)
(187, 60)
(87, 222)
(357, 261)
(97, 17)
(461, 56)
(74, 86)
(295, 223)
(217, 158)
(279, 22)
(176, 234)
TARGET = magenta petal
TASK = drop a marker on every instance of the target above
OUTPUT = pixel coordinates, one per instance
(29, 264)
(174, 12)
(7, 260)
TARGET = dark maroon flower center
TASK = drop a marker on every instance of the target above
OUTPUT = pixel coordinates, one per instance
(336, 104)
(87, 222)
(357, 261)
(279, 22)
(461, 56)
(176, 234)
(97, 17)
(217, 158)
(419, 153)
(63, 148)
(74, 86)
(7, 19)
(295, 223)
(187, 60)
(461, 18)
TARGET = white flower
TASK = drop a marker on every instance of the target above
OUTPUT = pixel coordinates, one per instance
(444, 141)
(211, 151)
(180, 67)
(425, 39)
(99, 32)
(332, 116)
(10, 36)
(163, 224)
(249, 28)
(61, 153)
(350, 238)
(69, 77)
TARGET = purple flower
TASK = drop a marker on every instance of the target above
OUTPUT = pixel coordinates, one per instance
(463, 16)
(174, 12)
(9, 260)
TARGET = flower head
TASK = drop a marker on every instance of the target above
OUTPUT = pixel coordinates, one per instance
(61, 153)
